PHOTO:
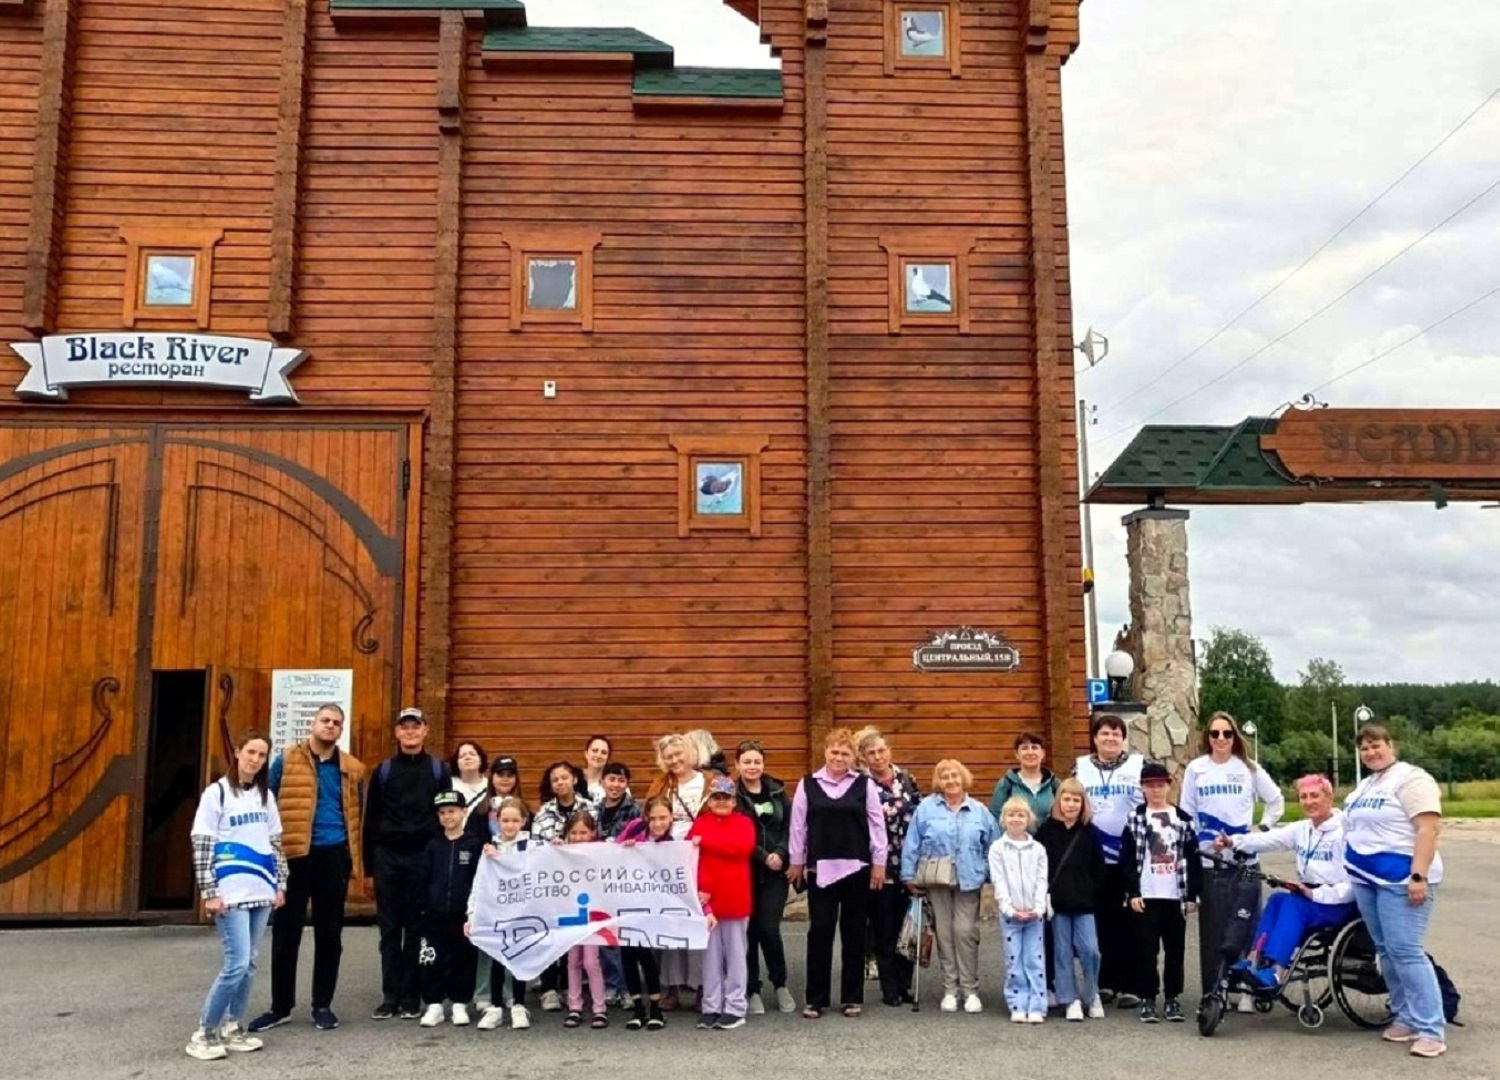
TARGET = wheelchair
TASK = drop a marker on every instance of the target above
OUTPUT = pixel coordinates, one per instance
(1333, 966)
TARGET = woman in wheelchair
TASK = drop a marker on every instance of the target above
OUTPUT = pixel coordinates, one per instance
(1321, 897)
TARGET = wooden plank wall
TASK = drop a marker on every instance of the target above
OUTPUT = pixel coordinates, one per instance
(935, 490)
(576, 606)
(20, 74)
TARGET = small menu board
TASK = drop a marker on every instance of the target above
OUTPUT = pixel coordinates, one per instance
(296, 696)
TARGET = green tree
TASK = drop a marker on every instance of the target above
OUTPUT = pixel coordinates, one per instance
(1234, 674)
(1311, 703)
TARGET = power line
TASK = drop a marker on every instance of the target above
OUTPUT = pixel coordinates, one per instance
(1263, 297)
(1406, 341)
(1288, 333)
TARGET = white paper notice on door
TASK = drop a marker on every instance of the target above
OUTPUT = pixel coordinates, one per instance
(296, 696)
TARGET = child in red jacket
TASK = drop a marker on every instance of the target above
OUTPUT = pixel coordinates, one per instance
(726, 840)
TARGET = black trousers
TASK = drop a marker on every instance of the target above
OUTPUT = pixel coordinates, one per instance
(322, 877)
(400, 892)
(764, 932)
(642, 975)
(1160, 929)
(887, 912)
(1214, 909)
(497, 980)
(1116, 936)
(843, 907)
(446, 959)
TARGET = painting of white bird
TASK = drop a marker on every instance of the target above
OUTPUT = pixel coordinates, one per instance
(719, 487)
(929, 288)
(169, 280)
(922, 34)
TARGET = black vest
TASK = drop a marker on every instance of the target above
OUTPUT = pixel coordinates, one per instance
(837, 828)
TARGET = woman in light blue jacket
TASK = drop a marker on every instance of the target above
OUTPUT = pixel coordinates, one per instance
(946, 856)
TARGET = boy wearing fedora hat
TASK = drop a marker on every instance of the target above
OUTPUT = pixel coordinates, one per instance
(1163, 879)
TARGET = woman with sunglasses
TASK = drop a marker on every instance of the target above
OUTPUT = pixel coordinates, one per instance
(1219, 791)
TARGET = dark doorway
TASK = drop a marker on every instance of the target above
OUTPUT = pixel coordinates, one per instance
(174, 778)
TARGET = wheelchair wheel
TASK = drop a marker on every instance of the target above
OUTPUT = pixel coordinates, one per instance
(1307, 983)
(1264, 1005)
(1358, 986)
(1310, 1017)
(1210, 1015)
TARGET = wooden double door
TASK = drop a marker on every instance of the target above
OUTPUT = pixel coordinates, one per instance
(152, 576)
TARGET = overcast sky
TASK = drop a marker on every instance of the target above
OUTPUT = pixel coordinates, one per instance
(1211, 149)
(1207, 157)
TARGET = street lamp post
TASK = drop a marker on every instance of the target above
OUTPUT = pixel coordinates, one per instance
(1362, 716)
(1118, 667)
(1251, 730)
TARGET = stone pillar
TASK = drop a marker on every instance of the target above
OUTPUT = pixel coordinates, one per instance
(1160, 637)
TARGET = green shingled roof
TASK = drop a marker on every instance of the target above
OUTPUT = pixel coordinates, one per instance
(647, 50)
(1176, 460)
(756, 83)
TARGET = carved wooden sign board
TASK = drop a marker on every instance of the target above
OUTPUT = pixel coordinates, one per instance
(966, 649)
(1389, 444)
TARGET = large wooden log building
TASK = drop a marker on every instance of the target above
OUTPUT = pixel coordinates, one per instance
(631, 398)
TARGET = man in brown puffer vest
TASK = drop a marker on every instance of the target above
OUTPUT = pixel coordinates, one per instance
(320, 792)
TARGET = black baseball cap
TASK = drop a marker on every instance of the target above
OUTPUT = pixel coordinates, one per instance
(410, 715)
(504, 764)
(448, 798)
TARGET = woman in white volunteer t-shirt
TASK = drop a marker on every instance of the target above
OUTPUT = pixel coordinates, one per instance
(1111, 778)
(242, 877)
(1391, 823)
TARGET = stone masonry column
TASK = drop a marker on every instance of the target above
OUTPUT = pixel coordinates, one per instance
(1160, 637)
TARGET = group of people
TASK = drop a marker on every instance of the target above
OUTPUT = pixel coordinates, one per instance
(1093, 875)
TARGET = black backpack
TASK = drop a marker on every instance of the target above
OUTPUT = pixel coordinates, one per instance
(1449, 992)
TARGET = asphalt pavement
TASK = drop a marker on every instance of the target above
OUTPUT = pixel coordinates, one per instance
(107, 1003)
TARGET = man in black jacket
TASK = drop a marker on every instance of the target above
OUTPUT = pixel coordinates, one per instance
(399, 823)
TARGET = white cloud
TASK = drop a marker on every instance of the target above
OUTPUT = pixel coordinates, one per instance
(1206, 158)
(703, 33)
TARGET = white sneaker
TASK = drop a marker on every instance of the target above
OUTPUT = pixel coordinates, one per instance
(236, 1041)
(491, 1018)
(1247, 1003)
(784, 1000)
(1036, 1018)
(519, 1017)
(433, 1016)
(460, 1015)
(1075, 1011)
(757, 1006)
(551, 1001)
(1096, 1009)
(1018, 1018)
(950, 1003)
(205, 1046)
(972, 1004)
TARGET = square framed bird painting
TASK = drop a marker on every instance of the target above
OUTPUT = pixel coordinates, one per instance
(718, 482)
(922, 36)
(928, 280)
(169, 274)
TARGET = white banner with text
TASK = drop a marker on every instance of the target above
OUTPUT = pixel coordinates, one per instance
(532, 906)
(201, 361)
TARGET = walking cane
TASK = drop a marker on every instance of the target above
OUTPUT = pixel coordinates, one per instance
(916, 968)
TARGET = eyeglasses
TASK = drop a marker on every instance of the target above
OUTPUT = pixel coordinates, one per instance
(1220, 733)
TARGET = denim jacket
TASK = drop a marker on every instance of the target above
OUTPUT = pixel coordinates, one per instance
(965, 835)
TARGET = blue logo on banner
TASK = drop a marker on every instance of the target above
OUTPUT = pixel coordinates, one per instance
(1098, 691)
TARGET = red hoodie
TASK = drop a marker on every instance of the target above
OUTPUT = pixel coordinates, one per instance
(724, 862)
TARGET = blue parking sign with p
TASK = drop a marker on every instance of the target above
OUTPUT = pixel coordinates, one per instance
(1098, 691)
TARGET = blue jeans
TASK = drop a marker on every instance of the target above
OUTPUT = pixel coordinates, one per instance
(614, 971)
(1075, 937)
(1399, 931)
(1025, 966)
(240, 931)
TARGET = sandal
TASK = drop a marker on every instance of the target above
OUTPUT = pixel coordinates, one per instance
(599, 1021)
(853, 1012)
(573, 1020)
(812, 1012)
